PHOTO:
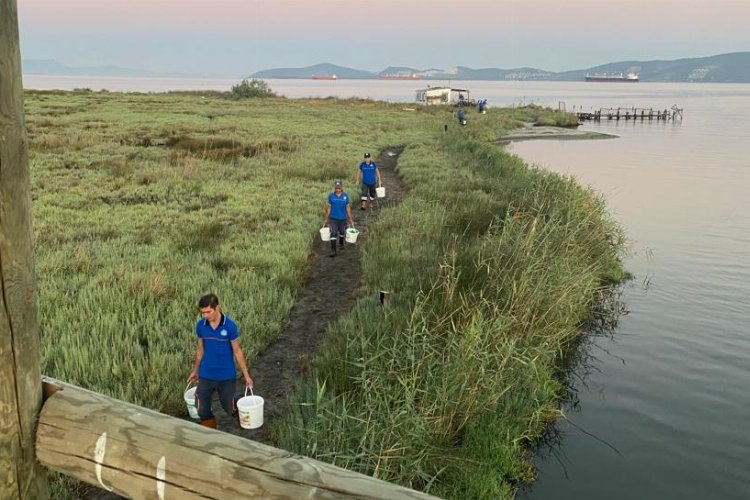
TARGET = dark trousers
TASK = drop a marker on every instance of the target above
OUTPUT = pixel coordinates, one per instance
(338, 228)
(205, 393)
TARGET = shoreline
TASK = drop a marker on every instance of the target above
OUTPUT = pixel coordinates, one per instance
(530, 132)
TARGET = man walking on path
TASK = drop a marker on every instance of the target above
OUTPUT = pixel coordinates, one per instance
(214, 370)
(369, 175)
(338, 212)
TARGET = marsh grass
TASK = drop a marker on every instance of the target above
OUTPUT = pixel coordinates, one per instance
(493, 267)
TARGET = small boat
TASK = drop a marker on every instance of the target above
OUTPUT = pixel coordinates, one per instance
(413, 76)
(612, 77)
(324, 77)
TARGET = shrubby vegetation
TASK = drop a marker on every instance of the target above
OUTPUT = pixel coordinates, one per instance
(144, 202)
(253, 88)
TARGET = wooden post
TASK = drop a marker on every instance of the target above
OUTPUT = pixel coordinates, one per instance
(21, 477)
(139, 453)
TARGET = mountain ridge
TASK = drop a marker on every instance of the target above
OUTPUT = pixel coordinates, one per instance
(733, 67)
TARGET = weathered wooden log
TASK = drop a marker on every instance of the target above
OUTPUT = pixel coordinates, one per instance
(20, 382)
(139, 453)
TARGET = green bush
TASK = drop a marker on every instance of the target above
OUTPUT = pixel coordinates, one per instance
(253, 88)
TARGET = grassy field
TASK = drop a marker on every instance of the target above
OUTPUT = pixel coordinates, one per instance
(144, 202)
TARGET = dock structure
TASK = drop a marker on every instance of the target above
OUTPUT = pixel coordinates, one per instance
(642, 114)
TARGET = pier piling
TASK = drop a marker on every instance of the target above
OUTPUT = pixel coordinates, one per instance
(672, 114)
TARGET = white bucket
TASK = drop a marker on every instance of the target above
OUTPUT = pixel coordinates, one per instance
(325, 233)
(380, 192)
(250, 409)
(351, 235)
(190, 401)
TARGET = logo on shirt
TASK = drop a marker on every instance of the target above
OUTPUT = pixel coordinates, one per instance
(223, 333)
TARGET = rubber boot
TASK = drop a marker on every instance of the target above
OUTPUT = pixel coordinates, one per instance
(210, 423)
(341, 241)
(333, 247)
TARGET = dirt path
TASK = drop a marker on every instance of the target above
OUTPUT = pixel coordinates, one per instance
(331, 290)
(322, 301)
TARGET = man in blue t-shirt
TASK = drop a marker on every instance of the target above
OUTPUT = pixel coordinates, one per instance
(338, 212)
(218, 348)
(369, 174)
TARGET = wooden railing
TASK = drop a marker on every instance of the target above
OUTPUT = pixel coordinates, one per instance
(139, 453)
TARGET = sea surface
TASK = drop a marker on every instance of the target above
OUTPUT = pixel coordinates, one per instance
(662, 407)
(665, 412)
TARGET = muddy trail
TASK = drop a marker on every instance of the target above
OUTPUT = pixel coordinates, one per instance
(332, 289)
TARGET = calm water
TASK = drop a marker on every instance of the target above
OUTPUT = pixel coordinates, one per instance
(669, 394)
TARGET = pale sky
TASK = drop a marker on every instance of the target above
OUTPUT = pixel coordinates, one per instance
(238, 37)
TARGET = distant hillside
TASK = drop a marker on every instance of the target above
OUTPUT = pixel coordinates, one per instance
(52, 67)
(724, 68)
(397, 71)
(324, 69)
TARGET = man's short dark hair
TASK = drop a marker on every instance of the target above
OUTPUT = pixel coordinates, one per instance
(208, 300)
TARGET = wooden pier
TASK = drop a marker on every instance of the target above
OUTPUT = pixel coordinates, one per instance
(642, 114)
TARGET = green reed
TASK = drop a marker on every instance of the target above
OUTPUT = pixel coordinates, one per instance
(492, 267)
(142, 203)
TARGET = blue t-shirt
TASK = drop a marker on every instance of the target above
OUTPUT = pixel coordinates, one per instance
(218, 359)
(338, 206)
(368, 173)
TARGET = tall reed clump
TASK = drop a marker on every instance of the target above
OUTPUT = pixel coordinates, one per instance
(493, 267)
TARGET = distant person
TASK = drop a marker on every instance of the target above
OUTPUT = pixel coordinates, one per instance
(214, 369)
(369, 176)
(338, 212)
(461, 117)
(481, 105)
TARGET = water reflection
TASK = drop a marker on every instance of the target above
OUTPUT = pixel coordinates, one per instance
(674, 410)
(579, 362)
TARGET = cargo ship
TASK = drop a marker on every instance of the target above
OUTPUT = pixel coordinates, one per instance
(612, 77)
(413, 76)
(324, 77)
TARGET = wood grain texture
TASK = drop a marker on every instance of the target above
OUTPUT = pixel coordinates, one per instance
(136, 452)
(20, 382)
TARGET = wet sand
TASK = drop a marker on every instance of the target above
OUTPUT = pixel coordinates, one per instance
(529, 132)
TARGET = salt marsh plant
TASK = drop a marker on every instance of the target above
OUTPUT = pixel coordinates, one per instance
(142, 203)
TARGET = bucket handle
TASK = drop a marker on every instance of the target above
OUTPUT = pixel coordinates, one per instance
(251, 391)
(190, 382)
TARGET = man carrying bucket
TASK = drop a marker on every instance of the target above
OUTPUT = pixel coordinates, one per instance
(338, 212)
(214, 369)
(369, 174)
